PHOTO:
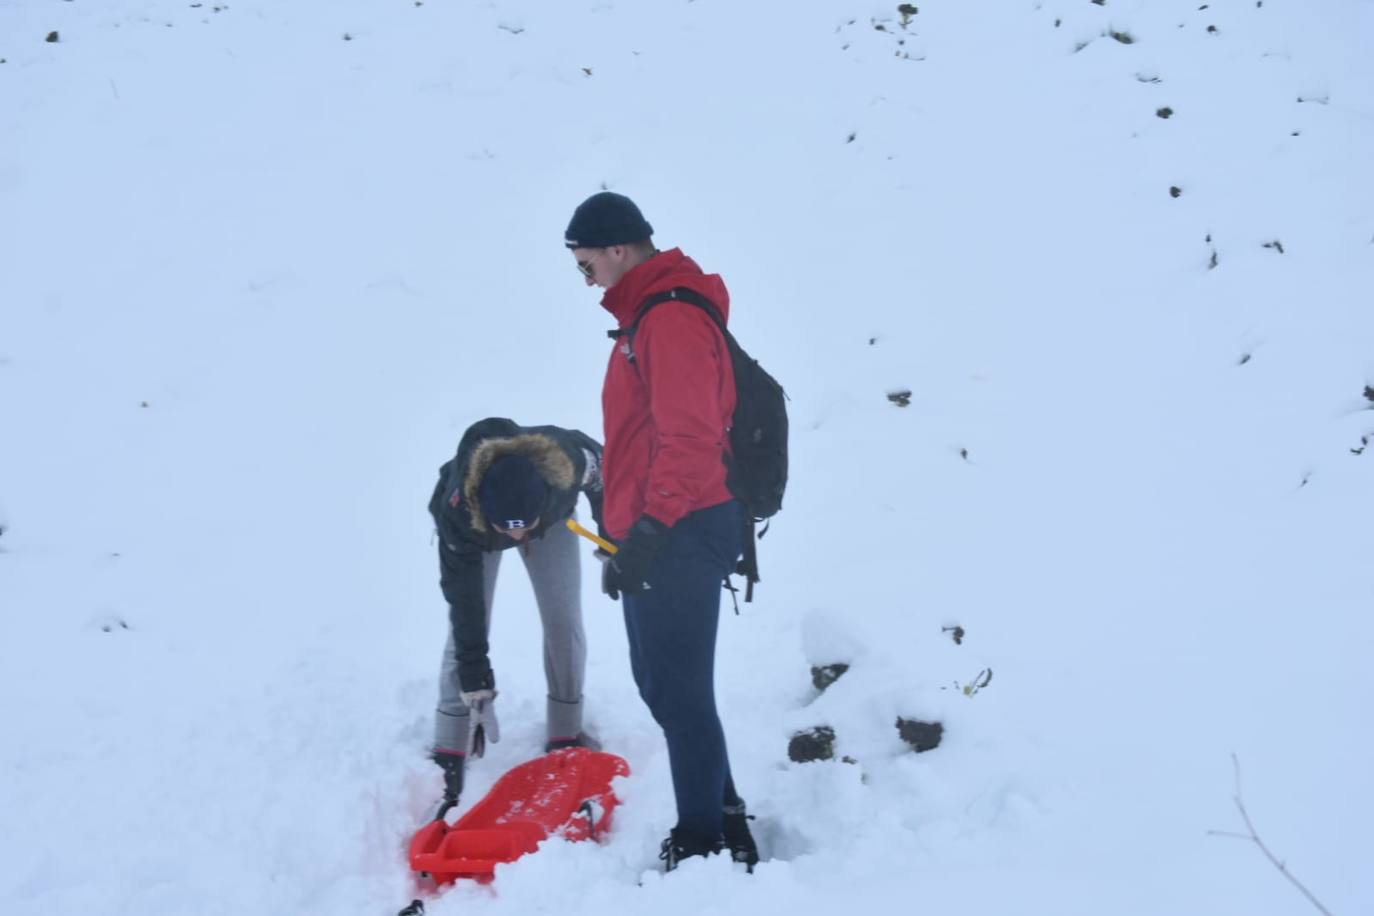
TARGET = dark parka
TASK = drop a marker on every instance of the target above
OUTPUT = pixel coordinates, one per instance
(569, 461)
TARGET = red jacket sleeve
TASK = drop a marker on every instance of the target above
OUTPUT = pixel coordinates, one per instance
(687, 372)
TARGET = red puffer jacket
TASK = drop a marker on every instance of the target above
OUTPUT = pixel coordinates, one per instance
(667, 414)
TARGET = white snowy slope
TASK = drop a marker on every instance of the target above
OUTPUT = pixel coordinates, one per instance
(262, 262)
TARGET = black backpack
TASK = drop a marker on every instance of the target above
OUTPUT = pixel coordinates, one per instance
(756, 467)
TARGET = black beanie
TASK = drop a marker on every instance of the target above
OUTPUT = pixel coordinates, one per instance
(512, 492)
(606, 219)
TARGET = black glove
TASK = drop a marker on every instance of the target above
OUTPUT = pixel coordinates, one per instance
(452, 765)
(627, 570)
(607, 588)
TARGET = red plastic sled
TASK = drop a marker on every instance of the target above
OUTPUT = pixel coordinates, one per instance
(568, 792)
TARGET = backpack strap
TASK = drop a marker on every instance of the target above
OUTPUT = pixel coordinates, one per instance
(676, 294)
(749, 563)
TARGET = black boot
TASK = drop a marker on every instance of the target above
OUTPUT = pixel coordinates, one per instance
(451, 763)
(581, 739)
(679, 846)
(738, 839)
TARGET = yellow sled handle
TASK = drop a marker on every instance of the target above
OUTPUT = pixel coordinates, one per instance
(601, 542)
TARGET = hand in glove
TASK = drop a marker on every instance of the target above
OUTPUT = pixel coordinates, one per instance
(629, 568)
(606, 587)
(482, 724)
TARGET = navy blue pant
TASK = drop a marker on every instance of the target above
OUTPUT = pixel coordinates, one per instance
(672, 634)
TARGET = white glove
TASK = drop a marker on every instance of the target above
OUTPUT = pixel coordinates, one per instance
(482, 724)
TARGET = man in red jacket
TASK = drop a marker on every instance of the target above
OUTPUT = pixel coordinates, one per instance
(668, 400)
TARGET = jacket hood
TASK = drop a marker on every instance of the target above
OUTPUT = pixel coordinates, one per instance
(664, 271)
(549, 459)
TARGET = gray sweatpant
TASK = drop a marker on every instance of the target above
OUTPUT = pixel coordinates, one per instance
(556, 576)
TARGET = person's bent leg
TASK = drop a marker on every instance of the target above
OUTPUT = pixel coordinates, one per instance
(451, 715)
(556, 577)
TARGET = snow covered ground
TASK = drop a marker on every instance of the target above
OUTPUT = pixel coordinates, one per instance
(262, 262)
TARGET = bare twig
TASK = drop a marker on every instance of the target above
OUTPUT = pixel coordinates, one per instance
(1254, 837)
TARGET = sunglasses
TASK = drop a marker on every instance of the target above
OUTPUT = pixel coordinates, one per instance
(587, 267)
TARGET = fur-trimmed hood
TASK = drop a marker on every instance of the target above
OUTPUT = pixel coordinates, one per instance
(569, 461)
(552, 463)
